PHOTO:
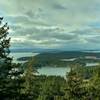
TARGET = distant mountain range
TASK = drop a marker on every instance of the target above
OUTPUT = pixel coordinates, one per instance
(35, 50)
(41, 50)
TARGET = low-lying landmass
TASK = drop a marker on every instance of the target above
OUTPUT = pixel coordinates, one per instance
(63, 58)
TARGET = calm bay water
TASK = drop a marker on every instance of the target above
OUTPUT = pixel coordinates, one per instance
(54, 71)
(16, 55)
(49, 71)
(92, 64)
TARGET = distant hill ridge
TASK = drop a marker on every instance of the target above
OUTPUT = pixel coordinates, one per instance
(67, 54)
(55, 58)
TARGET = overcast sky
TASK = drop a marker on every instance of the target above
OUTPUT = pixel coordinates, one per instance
(61, 24)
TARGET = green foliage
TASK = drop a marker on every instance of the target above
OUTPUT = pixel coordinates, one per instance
(5, 60)
(81, 88)
(94, 84)
(51, 88)
(9, 73)
(29, 84)
(74, 90)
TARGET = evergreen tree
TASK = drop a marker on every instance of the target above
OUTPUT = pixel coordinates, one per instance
(29, 84)
(94, 85)
(9, 73)
(51, 89)
(75, 89)
(5, 60)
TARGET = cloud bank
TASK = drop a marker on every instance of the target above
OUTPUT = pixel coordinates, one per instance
(61, 24)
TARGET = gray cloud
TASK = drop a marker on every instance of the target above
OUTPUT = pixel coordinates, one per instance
(53, 23)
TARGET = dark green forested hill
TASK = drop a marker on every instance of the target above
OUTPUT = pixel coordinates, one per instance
(64, 58)
(68, 54)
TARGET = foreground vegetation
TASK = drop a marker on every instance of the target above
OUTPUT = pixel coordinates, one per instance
(19, 83)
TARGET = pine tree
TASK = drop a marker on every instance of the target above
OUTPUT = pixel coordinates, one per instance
(75, 89)
(5, 60)
(94, 85)
(10, 79)
(29, 84)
